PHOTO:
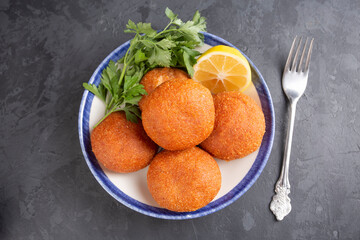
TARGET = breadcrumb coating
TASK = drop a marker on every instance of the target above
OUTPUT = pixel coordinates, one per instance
(185, 180)
(179, 114)
(157, 76)
(120, 145)
(239, 126)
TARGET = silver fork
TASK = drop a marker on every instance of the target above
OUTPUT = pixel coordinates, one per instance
(294, 82)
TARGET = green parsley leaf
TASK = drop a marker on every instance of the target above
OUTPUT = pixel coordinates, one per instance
(130, 116)
(130, 81)
(160, 57)
(96, 91)
(131, 25)
(170, 14)
(135, 91)
(132, 113)
(140, 56)
(166, 44)
(134, 100)
(146, 29)
(189, 68)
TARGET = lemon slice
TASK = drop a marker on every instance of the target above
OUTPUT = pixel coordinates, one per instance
(223, 68)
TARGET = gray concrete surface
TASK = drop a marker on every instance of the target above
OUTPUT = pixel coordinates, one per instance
(48, 48)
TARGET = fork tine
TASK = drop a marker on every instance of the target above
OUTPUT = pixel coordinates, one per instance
(302, 55)
(293, 67)
(309, 56)
(290, 55)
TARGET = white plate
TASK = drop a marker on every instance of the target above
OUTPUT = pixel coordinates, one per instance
(131, 188)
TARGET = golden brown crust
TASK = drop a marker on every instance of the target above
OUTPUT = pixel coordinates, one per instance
(239, 126)
(183, 181)
(179, 114)
(122, 146)
(157, 76)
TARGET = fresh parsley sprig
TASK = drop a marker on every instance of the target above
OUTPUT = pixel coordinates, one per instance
(172, 47)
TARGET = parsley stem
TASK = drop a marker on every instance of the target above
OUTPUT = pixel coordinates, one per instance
(122, 73)
(124, 69)
(110, 104)
(125, 58)
(164, 30)
(107, 101)
(145, 40)
(106, 115)
(169, 30)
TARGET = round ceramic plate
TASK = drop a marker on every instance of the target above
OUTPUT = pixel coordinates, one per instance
(131, 188)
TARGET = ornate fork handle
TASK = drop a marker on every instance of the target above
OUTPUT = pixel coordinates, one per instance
(280, 204)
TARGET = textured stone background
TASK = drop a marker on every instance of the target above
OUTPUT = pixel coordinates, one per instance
(48, 48)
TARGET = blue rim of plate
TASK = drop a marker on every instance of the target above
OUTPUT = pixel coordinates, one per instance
(230, 197)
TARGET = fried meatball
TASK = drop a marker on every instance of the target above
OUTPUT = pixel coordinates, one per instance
(185, 180)
(120, 145)
(157, 76)
(179, 114)
(239, 126)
